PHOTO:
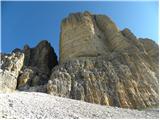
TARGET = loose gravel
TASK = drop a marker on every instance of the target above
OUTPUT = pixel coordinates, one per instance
(34, 105)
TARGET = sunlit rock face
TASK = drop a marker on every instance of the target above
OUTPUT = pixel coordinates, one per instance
(10, 67)
(84, 34)
(101, 64)
(98, 64)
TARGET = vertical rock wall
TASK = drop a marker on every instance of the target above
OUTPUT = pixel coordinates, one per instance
(103, 65)
(84, 34)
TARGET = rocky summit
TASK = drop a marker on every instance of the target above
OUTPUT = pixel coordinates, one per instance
(99, 63)
(38, 64)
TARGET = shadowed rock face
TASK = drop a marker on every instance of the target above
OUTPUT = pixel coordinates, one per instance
(38, 64)
(101, 64)
(42, 56)
(28, 69)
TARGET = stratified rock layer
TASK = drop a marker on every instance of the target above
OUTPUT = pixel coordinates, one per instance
(10, 67)
(101, 64)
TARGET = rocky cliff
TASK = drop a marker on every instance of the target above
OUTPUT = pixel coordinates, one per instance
(98, 64)
(101, 64)
(28, 69)
(89, 35)
(10, 67)
(38, 64)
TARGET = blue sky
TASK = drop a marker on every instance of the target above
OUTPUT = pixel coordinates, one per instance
(31, 22)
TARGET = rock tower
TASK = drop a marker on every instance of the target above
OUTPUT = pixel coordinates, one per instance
(101, 64)
(84, 34)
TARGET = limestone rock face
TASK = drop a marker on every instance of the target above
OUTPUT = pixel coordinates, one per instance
(108, 80)
(101, 64)
(38, 63)
(89, 35)
(151, 48)
(10, 67)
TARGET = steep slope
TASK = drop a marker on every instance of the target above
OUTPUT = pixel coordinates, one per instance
(34, 105)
